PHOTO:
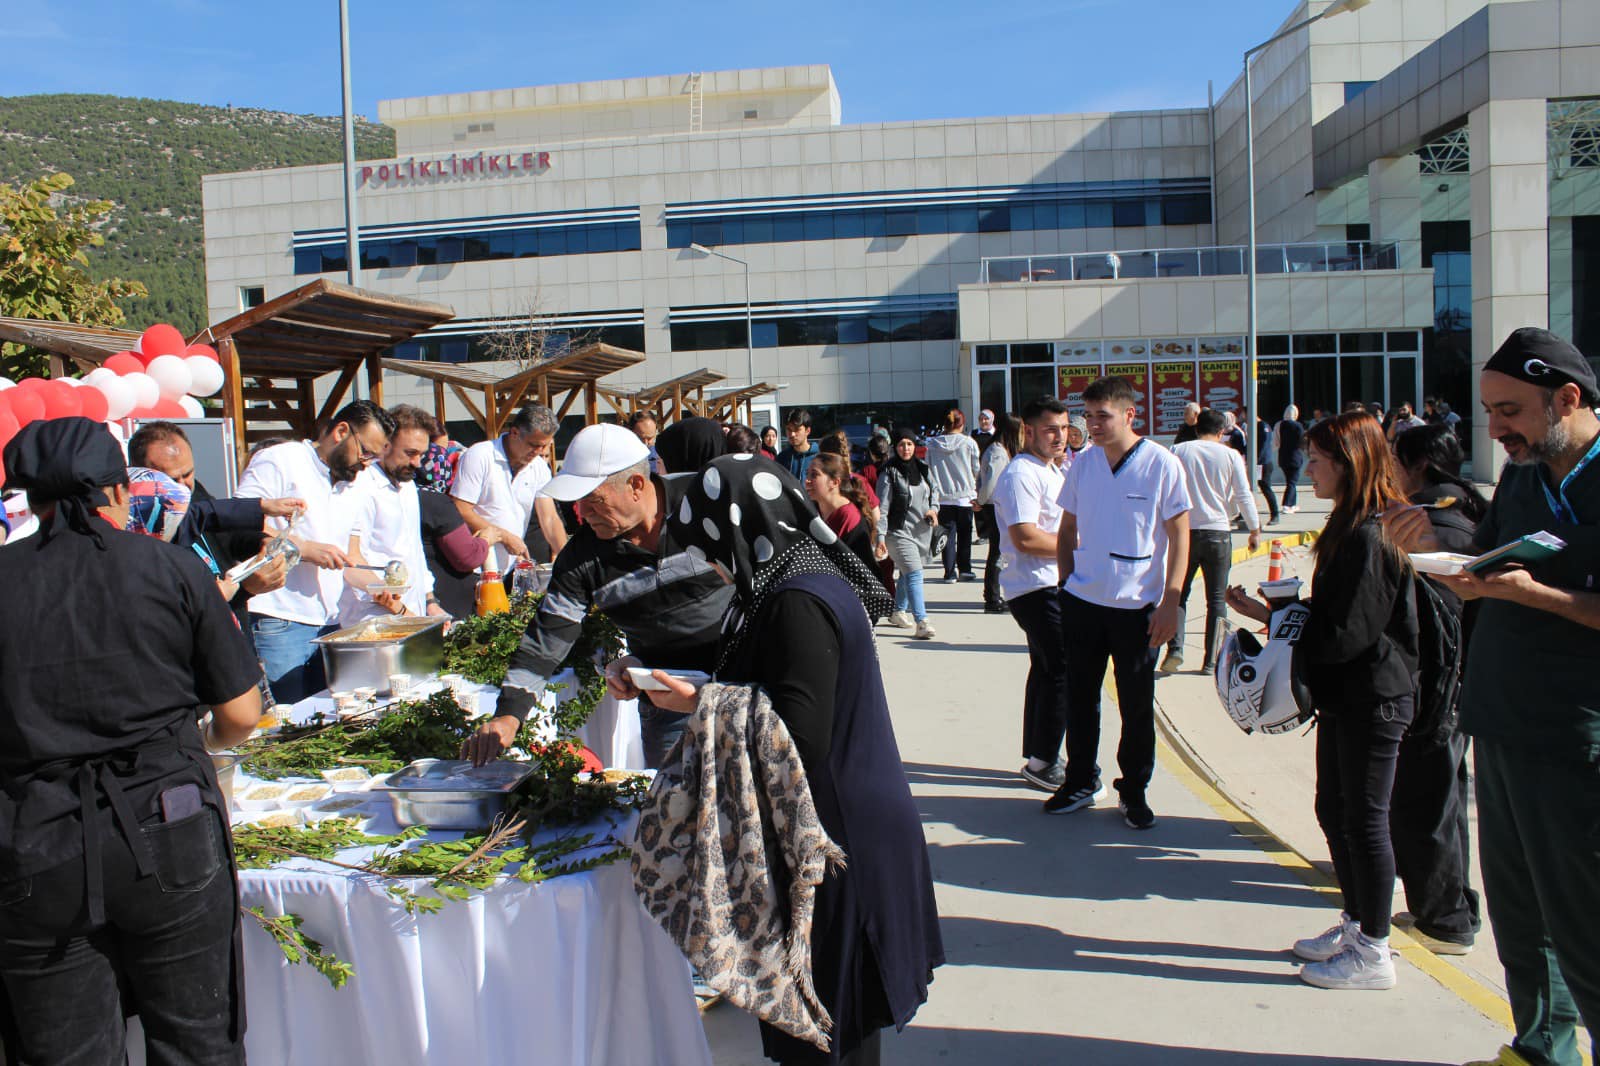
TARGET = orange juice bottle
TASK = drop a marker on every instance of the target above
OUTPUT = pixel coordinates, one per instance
(491, 596)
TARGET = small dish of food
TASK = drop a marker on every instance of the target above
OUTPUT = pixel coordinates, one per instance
(346, 778)
(264, 796)
(305, 793)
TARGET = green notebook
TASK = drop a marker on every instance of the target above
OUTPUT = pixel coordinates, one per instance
(1533, 548)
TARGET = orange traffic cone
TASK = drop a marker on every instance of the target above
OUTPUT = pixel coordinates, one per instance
(1275, 562)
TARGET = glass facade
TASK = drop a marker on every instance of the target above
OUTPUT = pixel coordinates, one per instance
(1042, 207)
(712, 329)
(519, 241)
(470, 347)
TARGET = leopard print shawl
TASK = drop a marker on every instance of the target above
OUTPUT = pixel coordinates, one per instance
(715, 822)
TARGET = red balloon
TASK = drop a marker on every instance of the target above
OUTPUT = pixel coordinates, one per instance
(60, 400)
(8, 425)
(144, 414)
(93, 401)
(160, 339)
(26, 404)
(166, 407)
(202, 349)
(125, 363)
(33, 384)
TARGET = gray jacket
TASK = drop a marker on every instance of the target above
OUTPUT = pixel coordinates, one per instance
(953, 459)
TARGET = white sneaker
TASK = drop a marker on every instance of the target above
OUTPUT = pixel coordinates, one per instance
(924, 632)
(900, 620)
(1326, 945)
(1364, 964)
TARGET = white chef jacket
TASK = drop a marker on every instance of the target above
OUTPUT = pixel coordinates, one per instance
(310, 595)
(387, 517)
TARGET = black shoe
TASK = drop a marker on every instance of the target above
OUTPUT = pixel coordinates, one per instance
(969, 576)
(996, 608)
(1065, 801)
(1135, 811)
(1047, 780)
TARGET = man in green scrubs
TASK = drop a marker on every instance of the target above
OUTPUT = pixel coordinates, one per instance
(1530, 699)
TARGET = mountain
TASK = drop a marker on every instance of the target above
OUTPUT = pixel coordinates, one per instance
(147, 157)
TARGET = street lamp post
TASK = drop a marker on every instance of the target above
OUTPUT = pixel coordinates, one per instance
(749, 334)
(352, 238)
(1252, 437)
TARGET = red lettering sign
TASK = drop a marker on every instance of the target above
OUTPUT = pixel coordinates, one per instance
(480, 165)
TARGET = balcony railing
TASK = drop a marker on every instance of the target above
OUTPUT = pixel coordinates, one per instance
(1211, 262)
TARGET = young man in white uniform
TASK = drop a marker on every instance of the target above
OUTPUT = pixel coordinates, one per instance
(1218, 489)
(1122, 550)
(386, 526)
(498, 482)
(285, 621)
(1027, 516)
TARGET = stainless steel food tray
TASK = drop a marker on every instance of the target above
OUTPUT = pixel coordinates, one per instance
(411, 646)
(451, 793)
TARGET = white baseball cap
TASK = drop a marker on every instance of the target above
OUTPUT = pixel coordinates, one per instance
(595, 454)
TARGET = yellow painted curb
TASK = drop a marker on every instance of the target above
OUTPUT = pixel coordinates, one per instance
(1290, 540)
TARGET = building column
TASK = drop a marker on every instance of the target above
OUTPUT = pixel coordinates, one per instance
(1394, 204)
(1510, 246)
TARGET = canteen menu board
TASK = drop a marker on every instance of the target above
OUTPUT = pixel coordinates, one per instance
(1139, 374)
(1071, 381)
(1220, 384)
(1174, 387)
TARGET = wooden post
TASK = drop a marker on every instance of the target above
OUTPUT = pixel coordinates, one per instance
(233, 400)
(438, 401)
(375, 378)
(591, 402)
(491, 412)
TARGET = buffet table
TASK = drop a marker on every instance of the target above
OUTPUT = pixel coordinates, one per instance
(568, 972)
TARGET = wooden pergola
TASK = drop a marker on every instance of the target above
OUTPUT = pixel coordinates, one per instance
(502, 387)
(272, 355)
(86, 346)
(735, 405)
(669, 401)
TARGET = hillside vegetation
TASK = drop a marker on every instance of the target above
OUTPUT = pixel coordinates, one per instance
(147, 157)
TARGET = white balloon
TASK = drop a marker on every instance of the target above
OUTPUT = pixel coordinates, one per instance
(145, 390)
(7, 383)
(74, 382)
(171, 373)
(121, 396)
(207, 375)
(191, 406)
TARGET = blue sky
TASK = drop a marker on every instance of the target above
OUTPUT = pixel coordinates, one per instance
(893, 59)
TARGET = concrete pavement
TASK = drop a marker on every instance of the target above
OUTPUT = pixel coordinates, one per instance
(1077, 939)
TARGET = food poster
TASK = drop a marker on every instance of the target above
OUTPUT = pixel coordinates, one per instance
(1172, 348)
(1119, 350)
(1078, 351)
(1071, 381)
(1173, 388)
(1139, 374)
(1210, 346)
(1220, 382)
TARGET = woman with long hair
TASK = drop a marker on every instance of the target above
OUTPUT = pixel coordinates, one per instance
(1428, 814)
(1006, 444)
(906, 517)
(1360, 650)
(842, 503)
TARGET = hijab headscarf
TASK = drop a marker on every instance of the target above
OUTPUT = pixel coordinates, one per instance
(912, 469)
(690, 443)
(157, 503)
(66, 462)
(752, 518)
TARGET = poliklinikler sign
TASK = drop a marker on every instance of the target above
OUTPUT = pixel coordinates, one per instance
(454, 167)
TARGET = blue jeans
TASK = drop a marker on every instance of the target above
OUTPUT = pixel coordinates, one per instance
(908, 595)
(292, 663)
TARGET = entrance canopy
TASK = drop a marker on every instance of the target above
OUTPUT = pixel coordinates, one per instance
(273, 354)
(492, 392)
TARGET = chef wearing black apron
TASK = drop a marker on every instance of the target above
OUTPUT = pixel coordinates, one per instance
(117, 893)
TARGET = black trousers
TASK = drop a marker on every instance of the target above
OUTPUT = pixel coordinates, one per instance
(991, 562)
(1044, 702)
(1096, 634)
(166, 945)
(1265, 485)
(1357, 750)
(1211, 552)
(1539, 842)
(1432, 839)
(956, 519)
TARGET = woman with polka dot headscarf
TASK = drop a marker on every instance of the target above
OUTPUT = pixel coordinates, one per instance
(801, 628)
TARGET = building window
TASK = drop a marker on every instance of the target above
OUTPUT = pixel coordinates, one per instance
(251, 296)
(478, 246)
(824, 329)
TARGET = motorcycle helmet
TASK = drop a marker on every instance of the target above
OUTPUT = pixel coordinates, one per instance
(1260, 686)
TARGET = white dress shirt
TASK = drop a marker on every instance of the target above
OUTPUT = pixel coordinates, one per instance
(485, 480)
(1218, 489)
(310, 594)
(1121, 558)
(1026, 492)
(387, 517)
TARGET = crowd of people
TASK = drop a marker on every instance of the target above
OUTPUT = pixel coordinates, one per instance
(769, 558)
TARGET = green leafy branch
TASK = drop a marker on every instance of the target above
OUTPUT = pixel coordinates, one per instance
(299, 948)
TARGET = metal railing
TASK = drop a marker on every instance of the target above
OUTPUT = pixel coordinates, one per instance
(1226, 260)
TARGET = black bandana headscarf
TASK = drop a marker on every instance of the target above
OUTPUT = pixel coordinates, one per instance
(912, 469)
(66, 462)
(690, 443)
(750, 516)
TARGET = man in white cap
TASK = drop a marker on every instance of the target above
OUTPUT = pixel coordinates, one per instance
(624, 562)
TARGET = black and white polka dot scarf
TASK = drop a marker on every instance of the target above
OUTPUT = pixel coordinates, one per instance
(751, 517)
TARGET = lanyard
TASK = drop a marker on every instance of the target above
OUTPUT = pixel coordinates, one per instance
(201, 549)
(1558, 500)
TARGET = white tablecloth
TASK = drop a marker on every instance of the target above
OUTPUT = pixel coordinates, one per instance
(570, 972)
